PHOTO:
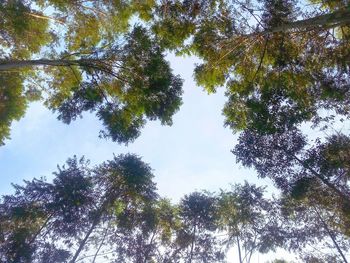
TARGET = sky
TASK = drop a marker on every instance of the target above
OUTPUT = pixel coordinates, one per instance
(192, 154)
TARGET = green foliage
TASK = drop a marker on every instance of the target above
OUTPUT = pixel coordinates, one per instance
(114, 207)
(13, 102)
(301, 187)
(315, 223)
(249, 220)
(65, 216)
(142, 88)
(96, 61)
(283, 66)
(22, 34)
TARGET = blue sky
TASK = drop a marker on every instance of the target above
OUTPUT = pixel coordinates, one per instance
(192, 154)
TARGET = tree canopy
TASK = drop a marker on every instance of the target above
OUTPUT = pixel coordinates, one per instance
(113, 211)
(297, 56)
(285, 67)
(85, 57)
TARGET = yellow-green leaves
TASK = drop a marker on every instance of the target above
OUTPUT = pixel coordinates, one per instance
(96, 50)
(12, 102)
(23, 31)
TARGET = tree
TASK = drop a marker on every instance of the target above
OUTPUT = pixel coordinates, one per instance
(287, 159)
(83, 209)
(22, 33)
(41, 211)
(13, 102)
(196, 237)
(112, 211)
(97, 62)
(249, 221)
(282, 65)
(268, 37)
(152, 237)
(314, 228)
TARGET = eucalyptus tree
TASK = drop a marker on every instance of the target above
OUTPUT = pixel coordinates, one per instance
(287, 159)
(77, 216)
(249, 221)
(39, 214)
(85, 56)
(112, 211)
(284, 63)
(174, 233)
(315, 229)
(196, 239)
(20, 36)
(150, 236)
(263, 48)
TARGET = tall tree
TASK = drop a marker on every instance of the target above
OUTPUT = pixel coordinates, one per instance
(285, 65)
(287, 159)
(62, 220)
(316, 229)
(112, 211)
(196, 238)
(250, 221)
(87, 57)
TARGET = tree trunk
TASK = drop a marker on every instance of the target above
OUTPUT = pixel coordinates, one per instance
(18, 255)
(239, 250)
(330, 235)
(95, 222)
(146, 254)
(14, 64)
(83, 242)
(342, 195)
(193, 240)
(322, 179)
(337, 18)
(99, 213)
(99, 65)
(101, 244)
(45, 18)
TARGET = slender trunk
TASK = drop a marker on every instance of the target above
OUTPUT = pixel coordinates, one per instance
(18, 256)
(45, 18)
(101, 244)
(13, 64)
(193, 240)
(95, 64)
(87, 235)
(150, 246)
(330, 235)
(239, 250)
(95, 222)
(317, 175)
(337, 18)
(250, 256)
(251, 250)
(41, 228)
(332, 20)
(94, 10)
(321, 178)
